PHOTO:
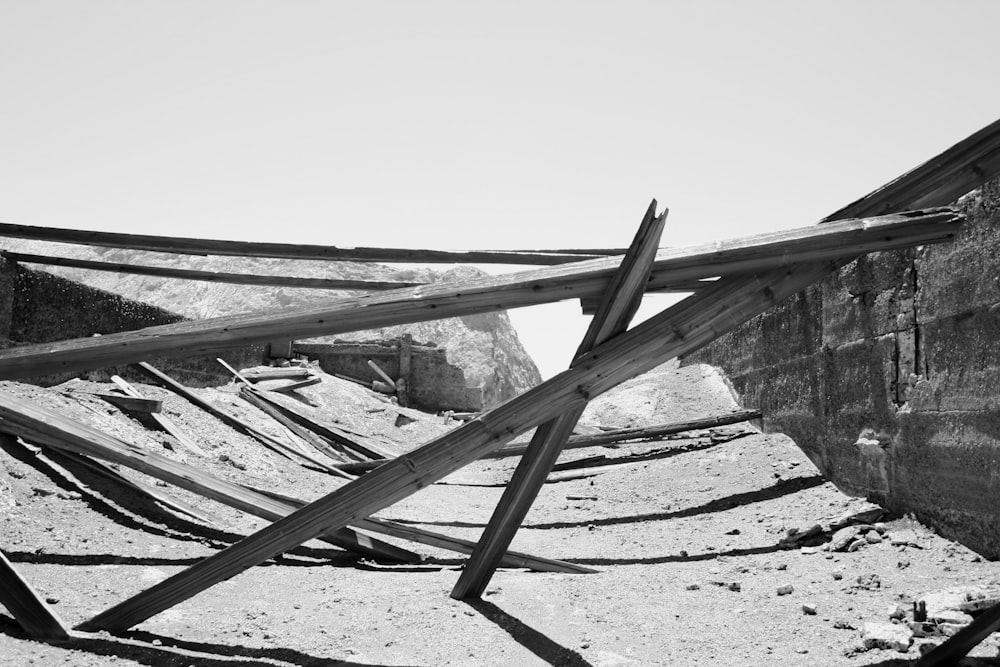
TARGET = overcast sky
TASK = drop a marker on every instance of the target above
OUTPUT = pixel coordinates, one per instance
(475, 125)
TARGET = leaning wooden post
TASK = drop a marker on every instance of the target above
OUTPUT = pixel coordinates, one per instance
(405, 369)
(26, 606)
(615, 312)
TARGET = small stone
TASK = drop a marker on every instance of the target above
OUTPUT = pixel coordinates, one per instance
(807, 550)
(734, 586)
(841, 624)
(52, 600)
(897, 612)
(734, 531)
(591, 527)
(785, 590)
(837, 576)
(782, 566)
(843, 538)
(809, 609)
(857, 544)
(873, 537)
(693, 587)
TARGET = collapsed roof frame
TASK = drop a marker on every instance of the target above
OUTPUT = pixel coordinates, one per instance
(615, 357)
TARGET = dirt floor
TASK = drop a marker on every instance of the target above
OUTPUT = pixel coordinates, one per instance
(686, 535)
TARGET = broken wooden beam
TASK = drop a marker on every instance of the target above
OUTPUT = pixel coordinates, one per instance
(27, 606)
(582, 279)
(190, 246)
(596, 439)
(146, 406)
(161, 420)
(256, 375)
(207, 276)
(297, 385)
(382, 374)
(620, 303)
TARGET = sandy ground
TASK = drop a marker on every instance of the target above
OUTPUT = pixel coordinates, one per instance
(685, 535)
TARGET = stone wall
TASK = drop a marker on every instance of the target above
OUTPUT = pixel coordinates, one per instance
(434, 383)
(888, 376)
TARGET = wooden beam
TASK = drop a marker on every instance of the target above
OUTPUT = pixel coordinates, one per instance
(146, 406)
(27, 606)
(263, 374)
(597, 439)
(42, 426)
(620, 303)
(956, 647)
(487, 294)
(161, 420)
(297, 385)
(208, 276)
(189, 246)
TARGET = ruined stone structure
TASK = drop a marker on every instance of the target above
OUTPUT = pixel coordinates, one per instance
(886, 375)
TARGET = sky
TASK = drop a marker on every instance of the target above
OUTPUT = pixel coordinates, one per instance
(460, 125)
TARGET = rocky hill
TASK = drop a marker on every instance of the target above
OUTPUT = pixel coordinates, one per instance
(485, 346)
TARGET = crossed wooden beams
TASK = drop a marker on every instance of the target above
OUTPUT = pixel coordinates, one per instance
(607, 357)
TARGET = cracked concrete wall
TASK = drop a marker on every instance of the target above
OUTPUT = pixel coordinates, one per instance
(887, 375)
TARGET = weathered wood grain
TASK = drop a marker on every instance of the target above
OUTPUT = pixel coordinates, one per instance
(27, 606)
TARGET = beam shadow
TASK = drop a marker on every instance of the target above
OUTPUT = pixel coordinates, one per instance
(782, 488)
(340, 559)
(139, 647)
(531, 639)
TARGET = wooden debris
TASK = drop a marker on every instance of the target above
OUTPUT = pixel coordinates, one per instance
(50, 429)
(297, 385)
(208, 276)
(132, 404)
(581, 279)
(256, 375)
(27, 606)
(160, 420)
(382, 374)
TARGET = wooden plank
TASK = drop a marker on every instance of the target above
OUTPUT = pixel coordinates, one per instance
(27, 606)
(297, 385)
(208, 276)
(256, 375)
(486, 294)
(620, 303)
(597, 439)
(161, 420)
(679, 330)
(382, 374)
(132, 404)
(190, 246)
(319, 444)
(45, 427)
(335, 435)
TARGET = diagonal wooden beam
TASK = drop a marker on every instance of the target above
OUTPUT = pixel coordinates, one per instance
(620, 302)
(579, 280)
(679, 330)
(26, 606)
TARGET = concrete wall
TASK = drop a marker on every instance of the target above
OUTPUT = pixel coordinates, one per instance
(39, 307)
(888, 376)
(434, 383)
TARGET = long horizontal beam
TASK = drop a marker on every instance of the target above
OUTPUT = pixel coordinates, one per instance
(190, 246)
(429, 302)
(206, 276)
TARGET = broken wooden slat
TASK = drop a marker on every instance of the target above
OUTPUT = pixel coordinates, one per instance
(597, 439)
(382, 374)
(297, 385)
(189, 246)
(619, 305)
(318, 443)
(488, 294)
(161, 420)
(45, 427)
(26, 606)
(132, 404)
(262, 374)
(207, 276)
(335, 435)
